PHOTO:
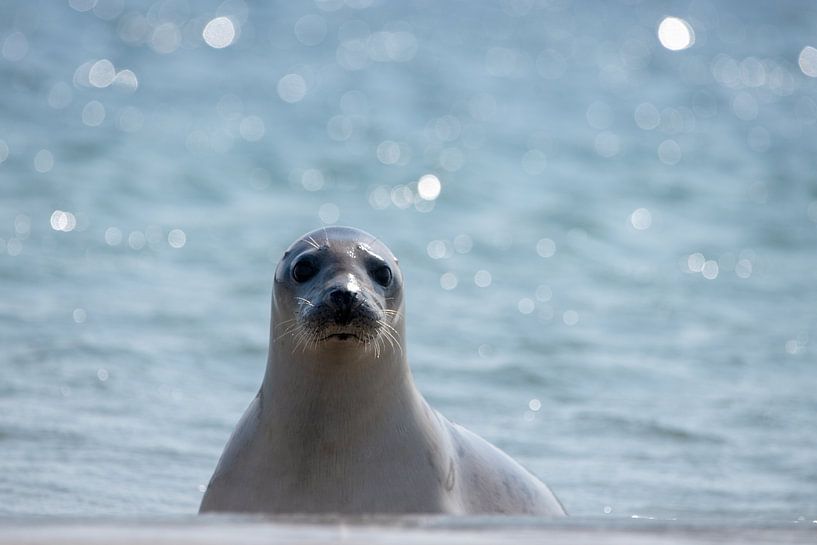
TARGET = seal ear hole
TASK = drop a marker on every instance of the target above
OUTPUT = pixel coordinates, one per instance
(382, 275)
(304, 270)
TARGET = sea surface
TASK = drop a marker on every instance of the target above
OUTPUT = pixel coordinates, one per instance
(616, 282)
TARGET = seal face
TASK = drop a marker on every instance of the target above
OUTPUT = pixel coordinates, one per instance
(338, 425)
(343, 289)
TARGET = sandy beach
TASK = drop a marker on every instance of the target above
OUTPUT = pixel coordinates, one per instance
(471, 531)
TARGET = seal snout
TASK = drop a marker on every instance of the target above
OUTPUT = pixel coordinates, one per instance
(343, 302)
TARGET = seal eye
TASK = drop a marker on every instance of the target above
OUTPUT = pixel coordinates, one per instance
(382, 275)
(304, 269)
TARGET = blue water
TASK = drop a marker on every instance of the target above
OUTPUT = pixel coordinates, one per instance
(617, 283)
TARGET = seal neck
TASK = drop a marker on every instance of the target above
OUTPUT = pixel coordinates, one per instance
(336, 388)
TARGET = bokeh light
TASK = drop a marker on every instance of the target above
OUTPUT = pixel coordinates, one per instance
(675, 34)
(93, 113)
(113, 236)
(329, 213)
(63, 221)
(102, 73)
(448, 281)
(546, 247)
(176, 238)
(669, 152)
(482, 278)
(807, 60)
(641, 219)
(43, 161)
(15, 47)
(219, 33)
(429, 187)
(292, 88)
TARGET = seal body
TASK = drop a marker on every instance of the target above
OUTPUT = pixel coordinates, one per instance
(338, 425)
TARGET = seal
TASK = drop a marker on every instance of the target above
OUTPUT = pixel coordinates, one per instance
(338, 425)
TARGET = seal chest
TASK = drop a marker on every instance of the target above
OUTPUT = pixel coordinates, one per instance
(338, 425)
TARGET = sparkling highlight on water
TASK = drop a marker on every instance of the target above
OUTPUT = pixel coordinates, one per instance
(675, 34)
(219, 33)
(808, 61)
(429, 187)
(63, 221)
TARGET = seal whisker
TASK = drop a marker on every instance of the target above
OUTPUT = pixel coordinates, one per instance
(394, 315)
(285, 333)
(297, 342)
(384, 334)
(396, 338)
(381, 345)
(285, 324)
(387, 324)
(396, 342)
(312, 342)
(326, 234)
(384, 323)
(298, 336)
(304, 300)
(393, 341)
(307, 343)
(289, 330)
(312, 242)
(372, 344)
(383, 338)
(302, 339)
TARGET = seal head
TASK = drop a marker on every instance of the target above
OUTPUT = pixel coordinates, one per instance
(337, 292)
